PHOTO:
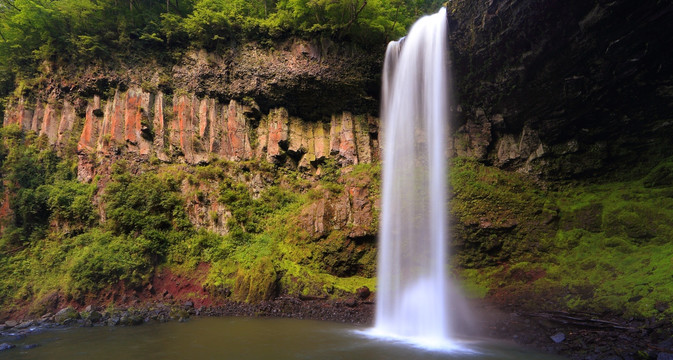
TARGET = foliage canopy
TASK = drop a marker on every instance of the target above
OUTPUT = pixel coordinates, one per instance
(35, 31)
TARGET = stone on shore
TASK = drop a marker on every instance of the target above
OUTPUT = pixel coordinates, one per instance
(558, 337)
(66, 315)
(10, 324)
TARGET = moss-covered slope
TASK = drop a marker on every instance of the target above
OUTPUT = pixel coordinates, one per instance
(602, 248)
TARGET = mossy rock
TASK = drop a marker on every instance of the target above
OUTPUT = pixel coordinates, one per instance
(66, 314)
(256, 284)
(93, 316)
(660, 176)
(633, 220)
(589, 218)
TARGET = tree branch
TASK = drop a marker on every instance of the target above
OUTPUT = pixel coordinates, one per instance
(355, 17)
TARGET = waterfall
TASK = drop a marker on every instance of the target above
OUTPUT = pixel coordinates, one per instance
(413, 285)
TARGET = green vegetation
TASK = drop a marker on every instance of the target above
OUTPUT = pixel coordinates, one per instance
(271, 251)
(37, 33)
(604, 248)
(600, 248)
(500, 215)
(56, 242)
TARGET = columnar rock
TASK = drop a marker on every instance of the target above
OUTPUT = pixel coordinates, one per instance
(237, 132)
(342, 139)
(278, 134)
(91, 130)
(38, 116)
(159, 127)
(49, 124)
(193, 130)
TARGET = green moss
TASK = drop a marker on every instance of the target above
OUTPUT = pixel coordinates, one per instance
(609, 252)
(499, 215)
(660, 176)
(300, 280)
(257, 283)
(476, 283)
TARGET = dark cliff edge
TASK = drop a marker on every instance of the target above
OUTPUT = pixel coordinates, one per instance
(563, 89)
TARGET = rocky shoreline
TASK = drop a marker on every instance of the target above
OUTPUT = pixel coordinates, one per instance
(572, 335)
(580, 336)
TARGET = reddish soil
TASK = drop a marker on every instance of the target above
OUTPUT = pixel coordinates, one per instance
(164, 287)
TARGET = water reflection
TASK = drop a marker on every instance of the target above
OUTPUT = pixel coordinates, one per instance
(240, 338)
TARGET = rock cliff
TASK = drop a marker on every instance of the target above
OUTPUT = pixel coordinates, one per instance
(296, 106)
(187, 129)
(563, 89)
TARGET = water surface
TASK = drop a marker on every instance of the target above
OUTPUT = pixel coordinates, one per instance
(239, 338)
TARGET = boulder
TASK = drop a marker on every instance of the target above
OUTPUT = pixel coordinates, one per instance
(131, 319)
(113, 320)
(10, 324)
(25, 324)
(93, 316)
(363, 292)
(65, 314)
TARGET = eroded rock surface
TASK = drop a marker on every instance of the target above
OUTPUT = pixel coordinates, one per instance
(186, 128)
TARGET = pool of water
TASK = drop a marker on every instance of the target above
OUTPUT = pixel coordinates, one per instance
(241, 338)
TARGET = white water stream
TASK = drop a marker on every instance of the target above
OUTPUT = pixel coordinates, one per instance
(413, 289)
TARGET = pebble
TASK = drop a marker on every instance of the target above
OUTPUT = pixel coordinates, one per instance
(558, 337)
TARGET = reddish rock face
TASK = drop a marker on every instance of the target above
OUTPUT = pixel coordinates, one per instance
(347, 150)
(193, 130)
(5, 210)
(65, 124)
(159, 126)
(38, 116)
(49, 124)
(117, 122)
(237, 131)
(132, 117)
(89, 132)
(13, 113)
(361, 210)
(278, 133)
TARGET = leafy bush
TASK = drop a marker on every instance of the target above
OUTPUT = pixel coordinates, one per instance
(143, 203)
(248, 214)
(107, 259)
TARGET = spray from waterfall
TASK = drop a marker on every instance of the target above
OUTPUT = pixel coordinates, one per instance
(413, 289)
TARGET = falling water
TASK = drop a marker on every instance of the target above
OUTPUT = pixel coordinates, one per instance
(413, 290)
